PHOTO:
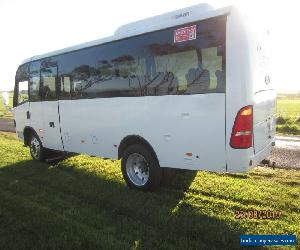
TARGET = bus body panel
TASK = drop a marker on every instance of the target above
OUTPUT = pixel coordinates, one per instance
(264, 120)
(51, 128)
(20, 116)
(264, 98)
(177, 125)
(236, 88)
(36, 121)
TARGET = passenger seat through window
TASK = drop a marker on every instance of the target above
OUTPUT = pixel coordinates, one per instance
(198, 80)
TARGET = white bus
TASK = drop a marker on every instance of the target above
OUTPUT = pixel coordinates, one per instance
(189, 89)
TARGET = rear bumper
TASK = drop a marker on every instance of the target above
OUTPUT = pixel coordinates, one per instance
(262, 154)
(243, 160)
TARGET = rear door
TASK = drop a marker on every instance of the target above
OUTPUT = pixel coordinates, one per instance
(264, 120)
(264, 108)
(50, 108)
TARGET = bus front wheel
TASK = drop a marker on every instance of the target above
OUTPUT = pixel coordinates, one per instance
(140, 168)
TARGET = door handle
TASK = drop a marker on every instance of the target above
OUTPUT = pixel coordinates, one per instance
(28, 115)
(51, 124)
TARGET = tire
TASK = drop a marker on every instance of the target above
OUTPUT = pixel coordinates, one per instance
(36, 148)
(140, 168)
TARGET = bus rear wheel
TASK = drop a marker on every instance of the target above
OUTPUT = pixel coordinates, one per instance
(36, 148)
(140, 168)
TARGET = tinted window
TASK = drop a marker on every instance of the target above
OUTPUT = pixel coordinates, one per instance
(88, 76)
(65, 87)
(187, 67)
(34, 82)
(21, 85)
(149, 64)
(48, 83)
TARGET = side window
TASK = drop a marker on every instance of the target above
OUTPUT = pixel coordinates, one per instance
(83, 78)
(193, 66)
(21, 86)
(119, 76)
(34, 87)
(65, 87)
(34, 82)
(48, 83)
(22, 92)
(114, 76)
(149, 64)
(212, 61)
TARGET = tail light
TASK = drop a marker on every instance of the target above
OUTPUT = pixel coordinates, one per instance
(242, 131)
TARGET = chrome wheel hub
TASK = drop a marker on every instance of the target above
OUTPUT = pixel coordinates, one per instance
(137, 169)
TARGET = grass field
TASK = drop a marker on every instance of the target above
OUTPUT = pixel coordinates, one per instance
(288, 107)
(288, 112)
(83, 203)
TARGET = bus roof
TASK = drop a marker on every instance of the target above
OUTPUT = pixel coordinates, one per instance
(169, 19)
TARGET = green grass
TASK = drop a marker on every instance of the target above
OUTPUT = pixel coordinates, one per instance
(288, 112)
(288, 107)
(83, 203)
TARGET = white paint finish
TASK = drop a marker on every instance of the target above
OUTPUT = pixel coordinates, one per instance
(264, 120)
(242, 67)
(41, 113)
(236, 87)
(20, 115)
(261, 155)
(174, 18)
(36, 119)
(52, 138)
(158, 119)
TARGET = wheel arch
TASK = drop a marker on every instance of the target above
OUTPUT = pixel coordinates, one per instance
(134, 139)
(27, 132)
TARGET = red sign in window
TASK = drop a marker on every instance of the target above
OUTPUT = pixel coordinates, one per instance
(185, 34)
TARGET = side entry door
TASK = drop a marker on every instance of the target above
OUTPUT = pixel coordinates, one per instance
(50, 108)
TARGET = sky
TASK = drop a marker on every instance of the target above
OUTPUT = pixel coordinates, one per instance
(35, 27)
